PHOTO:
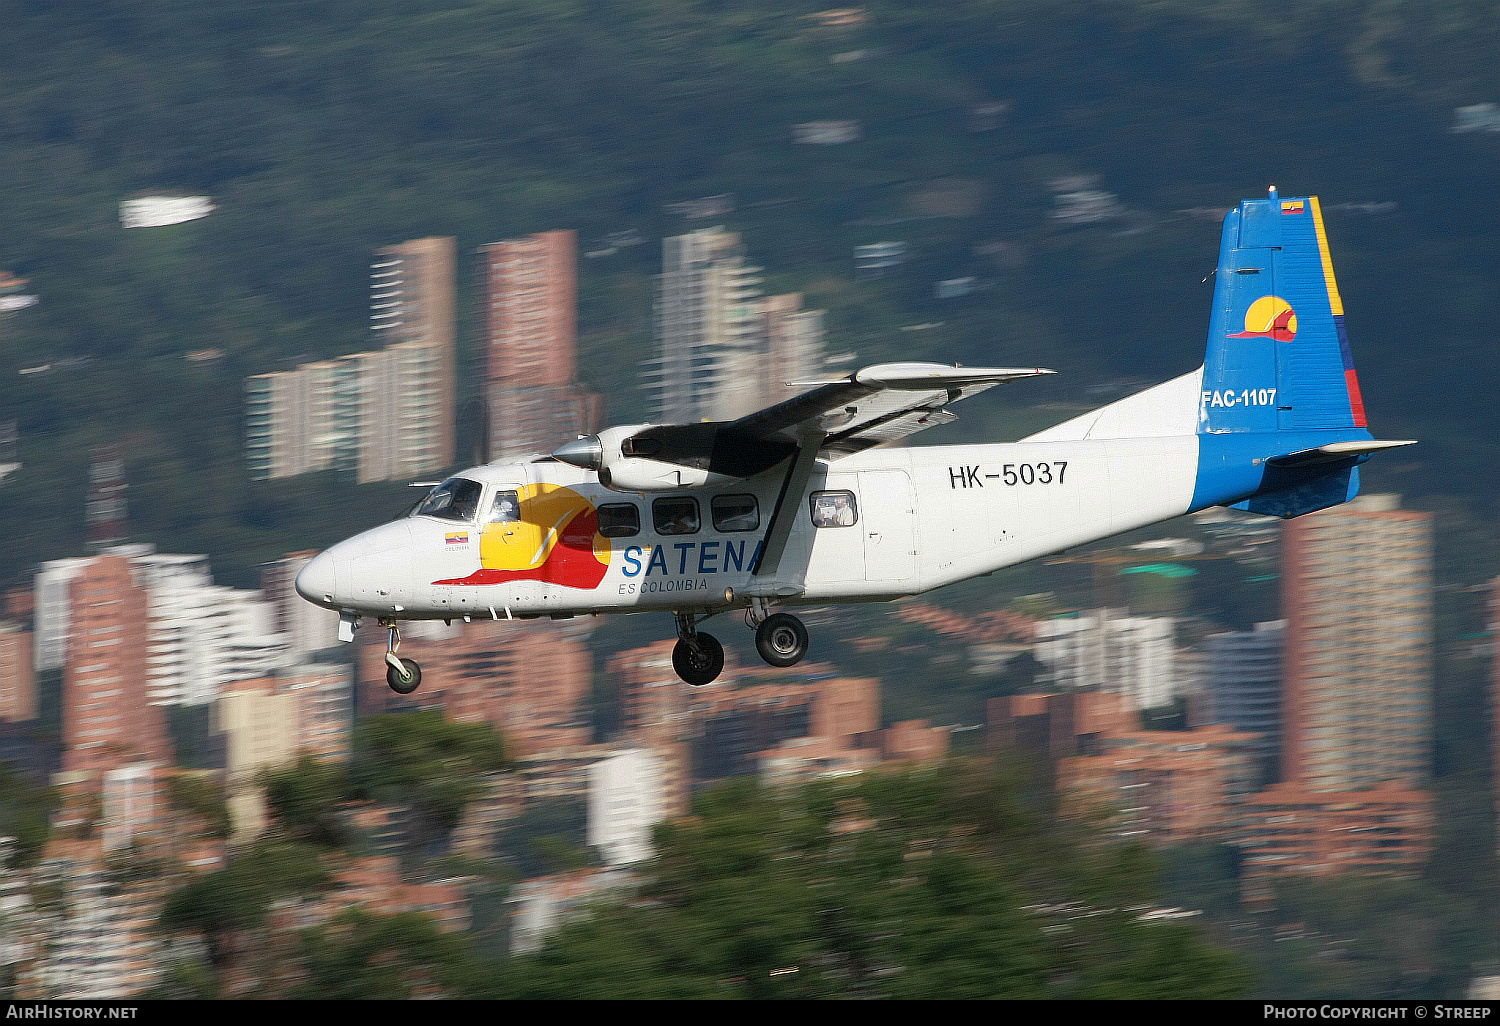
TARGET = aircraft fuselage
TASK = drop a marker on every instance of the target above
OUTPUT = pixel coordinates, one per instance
(878, 525)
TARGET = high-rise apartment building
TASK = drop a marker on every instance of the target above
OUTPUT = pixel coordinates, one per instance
(1356, 722)
(794, 346)
(1131, 655)
(1242, 687)
(107, 720)
(527, 679)
(412, 302)
(529, 291)
(724, 350)
(302, 420)
(196, 635)
(17, 682)
(627, 798)
(105, 507)
(1357, 671)
(382, 415)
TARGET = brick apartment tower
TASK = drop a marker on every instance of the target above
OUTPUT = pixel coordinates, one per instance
(529, 680)
(529, 288)
(17, 681)
(1356, 593)
(107, 720)
(412, 303)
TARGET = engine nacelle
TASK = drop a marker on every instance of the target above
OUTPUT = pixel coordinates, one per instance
(622, 456)
(634, 474)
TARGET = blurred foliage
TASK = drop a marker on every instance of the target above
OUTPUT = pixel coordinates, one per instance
(303, 800)
(947, 883)
(415, 760)
(25, 815)
(546, 838)
(202, 795)
(427, 763)
(361, 955)
(1369, 939)
(237, 897)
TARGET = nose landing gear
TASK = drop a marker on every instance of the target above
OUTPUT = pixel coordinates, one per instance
(403, 675)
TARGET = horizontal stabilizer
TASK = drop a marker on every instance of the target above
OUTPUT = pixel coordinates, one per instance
(1333, 452)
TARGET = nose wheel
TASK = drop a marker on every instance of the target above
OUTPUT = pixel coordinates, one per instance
(403, 675)
(781, 639)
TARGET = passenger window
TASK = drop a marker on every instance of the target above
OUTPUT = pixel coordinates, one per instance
(735, 513)
(834, 509)
(506, 508)
(619, 520)
(675, 516)
(455, 499)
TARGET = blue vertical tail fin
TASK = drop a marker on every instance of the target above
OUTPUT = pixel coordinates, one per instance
(1281, 422)
(1278, 357)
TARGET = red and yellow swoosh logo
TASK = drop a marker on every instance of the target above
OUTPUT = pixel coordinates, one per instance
(1269, 317)
(557, 540)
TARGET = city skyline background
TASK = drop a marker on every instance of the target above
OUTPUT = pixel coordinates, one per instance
(198, 200)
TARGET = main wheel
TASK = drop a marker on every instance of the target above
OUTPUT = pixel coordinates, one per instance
(700, 660)
(781, 639)
(404, 683)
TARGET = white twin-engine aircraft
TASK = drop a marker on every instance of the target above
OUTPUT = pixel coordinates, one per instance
(796, 505)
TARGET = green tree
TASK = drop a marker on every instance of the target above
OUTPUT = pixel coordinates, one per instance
(236, 898)
(425, 762)
(362, 955)
(304, 799)
(945, 883)
(26, 815)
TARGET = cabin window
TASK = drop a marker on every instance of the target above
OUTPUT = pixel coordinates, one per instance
(619, 520)
(506, 507)
(675, 516)
(735, 513)
(455, 499)
(834, 509)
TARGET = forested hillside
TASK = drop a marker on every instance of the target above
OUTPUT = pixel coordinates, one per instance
(324, 130)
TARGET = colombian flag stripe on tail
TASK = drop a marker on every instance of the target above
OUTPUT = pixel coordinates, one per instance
(1336, 305)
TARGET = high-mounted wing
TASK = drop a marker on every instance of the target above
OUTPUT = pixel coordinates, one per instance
(832, 419)
(875, 404)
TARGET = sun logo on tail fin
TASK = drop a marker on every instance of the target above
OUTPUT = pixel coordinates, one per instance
(1269, 317)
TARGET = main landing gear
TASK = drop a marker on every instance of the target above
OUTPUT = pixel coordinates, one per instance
(698, 658)
(781, 639)
(403, 675)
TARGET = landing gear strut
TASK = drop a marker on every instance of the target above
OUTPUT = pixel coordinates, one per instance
(698, 657)
(403, 675)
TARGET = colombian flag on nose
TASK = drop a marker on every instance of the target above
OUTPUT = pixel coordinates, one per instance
(1292, 206)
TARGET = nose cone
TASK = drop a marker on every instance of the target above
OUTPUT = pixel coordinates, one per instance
(317, 582)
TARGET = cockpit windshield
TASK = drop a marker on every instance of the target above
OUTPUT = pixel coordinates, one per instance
(455, 499)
